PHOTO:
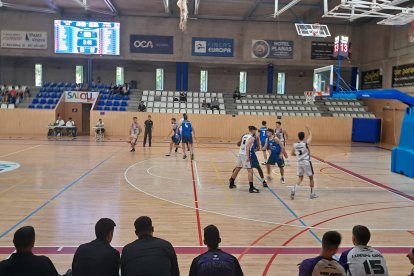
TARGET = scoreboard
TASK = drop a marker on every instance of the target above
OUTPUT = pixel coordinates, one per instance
(86, 37)
(341, 46)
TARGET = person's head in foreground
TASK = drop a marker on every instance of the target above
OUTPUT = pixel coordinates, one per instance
(410, 256)
(330, 243)
(104, 229)
(24, 239)
(360, 235)
(252, 130)
(301, 136)
(143, 226)
(212, 237)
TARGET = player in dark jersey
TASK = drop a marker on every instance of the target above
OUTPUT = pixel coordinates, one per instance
(187, 134)
(410, 257)
(324, 264)
(214, 261)
(275, 147)
(175, 138)
(283, 137)
(263, 137)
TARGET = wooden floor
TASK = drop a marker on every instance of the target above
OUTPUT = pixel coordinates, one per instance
(63, 187)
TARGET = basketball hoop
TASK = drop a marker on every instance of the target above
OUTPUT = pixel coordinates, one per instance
(411, 33)
(182, 5)
(310, 96)
(316, 29)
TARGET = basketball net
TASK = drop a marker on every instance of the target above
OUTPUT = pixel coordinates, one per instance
(182, 5)
(316, 28)
(310, 97)
(411, 33)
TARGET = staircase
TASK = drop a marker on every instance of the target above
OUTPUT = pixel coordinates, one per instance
(27, 101)
(134, 99)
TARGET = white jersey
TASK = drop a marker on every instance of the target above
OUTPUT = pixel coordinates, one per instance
(280, 134)
(364, 260)
(243, 144)
(134, 128)
(302, 152)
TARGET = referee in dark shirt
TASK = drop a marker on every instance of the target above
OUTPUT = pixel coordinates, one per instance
(24, 262)
(98, 258)
(149, 125)
(148, 255)
(214, 261)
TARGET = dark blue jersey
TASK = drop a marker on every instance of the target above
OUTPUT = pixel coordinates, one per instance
(263, 134)
(274, 147)
(321, 266)
(215, 263)
(187, 129)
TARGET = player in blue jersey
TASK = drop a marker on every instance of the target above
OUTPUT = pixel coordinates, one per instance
(324, 264)
(187, 134)
(275, 147)
(263, 137)
(175, 138)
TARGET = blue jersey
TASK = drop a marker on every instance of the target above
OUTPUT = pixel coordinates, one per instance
(215, 263)
(321, 266)
(263, 134)
(274, 147)
(253, 147)
(176, 130)
(187, 129)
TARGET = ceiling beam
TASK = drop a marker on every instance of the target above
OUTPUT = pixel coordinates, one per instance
(252, 9)
(285, 8)
(111, 6)
(25, 8)
(166, 5)
(51, 5)
(196, 6)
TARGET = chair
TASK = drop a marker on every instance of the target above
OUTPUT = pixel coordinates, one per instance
(107, 108)
(109, 103)
(43, 101)
(100, 108)
(124, 103)
(50, 101)
(39, 106)
(114, 108)
(122, 108)
(35, 101)
(117, 103)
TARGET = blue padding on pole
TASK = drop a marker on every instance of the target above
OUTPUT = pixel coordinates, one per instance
(392, 94)
(270, 74)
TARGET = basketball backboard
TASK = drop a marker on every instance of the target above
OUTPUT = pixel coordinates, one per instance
(312, 30)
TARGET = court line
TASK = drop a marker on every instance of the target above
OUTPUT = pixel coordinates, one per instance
(368, 180)
(200, 239)
(163, 177)
(324, 221)
(64, 189)
(19, 151)
(227, 215)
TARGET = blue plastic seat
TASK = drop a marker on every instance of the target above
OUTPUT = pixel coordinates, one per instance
(114, 108)
(126, 98)
(122, 108)
(118, 97)
(124, 103)
(35, 101)
(50, 101)
(46, 107)
(55, 101)
(39, 106)
(116, 103)
(31, 106)
(99, 108)
(109, 103)
(43, 101)
(101, 103)
(45, 95)
(46, 83)
(111, 97)
(104, 97)
(107, 108)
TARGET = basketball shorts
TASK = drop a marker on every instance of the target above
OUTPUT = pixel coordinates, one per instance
(242, 162)
(254, 162)
(273, 160)
(263, 143)
(176, 139)
(305, 168)
(187, 139)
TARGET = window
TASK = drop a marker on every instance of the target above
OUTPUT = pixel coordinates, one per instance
(119, 78)
(280, 83)
(243, 82)
(159, 79)
(38, 75)
(79, 74)
(203, 81)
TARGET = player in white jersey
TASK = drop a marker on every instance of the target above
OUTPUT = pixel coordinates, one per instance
(362, 259)
(282, 135)
(302, 152)
(243, 159)
(134, 132)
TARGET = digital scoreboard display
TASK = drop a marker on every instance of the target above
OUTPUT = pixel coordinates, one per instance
(86, 37)
(341, 46)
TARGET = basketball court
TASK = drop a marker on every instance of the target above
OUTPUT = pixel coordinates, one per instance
(62, 188)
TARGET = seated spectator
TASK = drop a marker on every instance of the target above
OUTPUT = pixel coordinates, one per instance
(27, 92)
(410, 257)
(13, 95)
(214, 261)
(148, 255)
(236, 94)
(324, 264)
(142, 107)
(72, 129)
(98, 258)
(360, 259)
(215, 104)
(183, 97)
(24, 262)
(205, 105)
(100, 126)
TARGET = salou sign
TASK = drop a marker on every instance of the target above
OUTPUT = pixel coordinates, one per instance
(80, 97)
(213, 47)
(23, 39)
(151, 44)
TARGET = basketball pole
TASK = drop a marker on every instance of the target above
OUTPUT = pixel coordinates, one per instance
(338, 73)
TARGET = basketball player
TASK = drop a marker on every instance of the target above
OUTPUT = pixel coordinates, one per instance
(243, 160)
(301, 151)
(283, 137)
(324, 264)
(263, 137)
(187, 132)
(135, 131)
(276, 148)
(181, 129)
(175, 138)
(362, 259)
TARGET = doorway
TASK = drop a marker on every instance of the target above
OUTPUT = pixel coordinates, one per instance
(86, 118)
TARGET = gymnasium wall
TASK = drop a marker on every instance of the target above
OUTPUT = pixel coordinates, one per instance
(226, 127)
(25, 121)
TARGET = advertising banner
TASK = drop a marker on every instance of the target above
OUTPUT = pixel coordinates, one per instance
(403, 75)
(213, 47)
(371, 79)
(23, 39)
(151, 44)
(80, 96)
(322, 50)
(277, 49)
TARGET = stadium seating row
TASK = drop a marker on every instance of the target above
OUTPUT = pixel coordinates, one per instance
(45, 101)
(185, 110)
(276, 107)
(313, 114)
(111, 108)
(114, 97)
(41, 106)
(171, 99)
(178, 105)
(177, 94)
(112, 103)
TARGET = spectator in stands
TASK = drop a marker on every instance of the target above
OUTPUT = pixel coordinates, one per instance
(24, 262)
(148, 255)
(72, 128)
(27, 92)
(410, 257)
(354, 260)
(324, 264)
(100, 127)
(214, 261)
(215, 104)
(13, 95)
(98, 257)
(205, 105)
(142, 107)
(236, 94)
(183, 97)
